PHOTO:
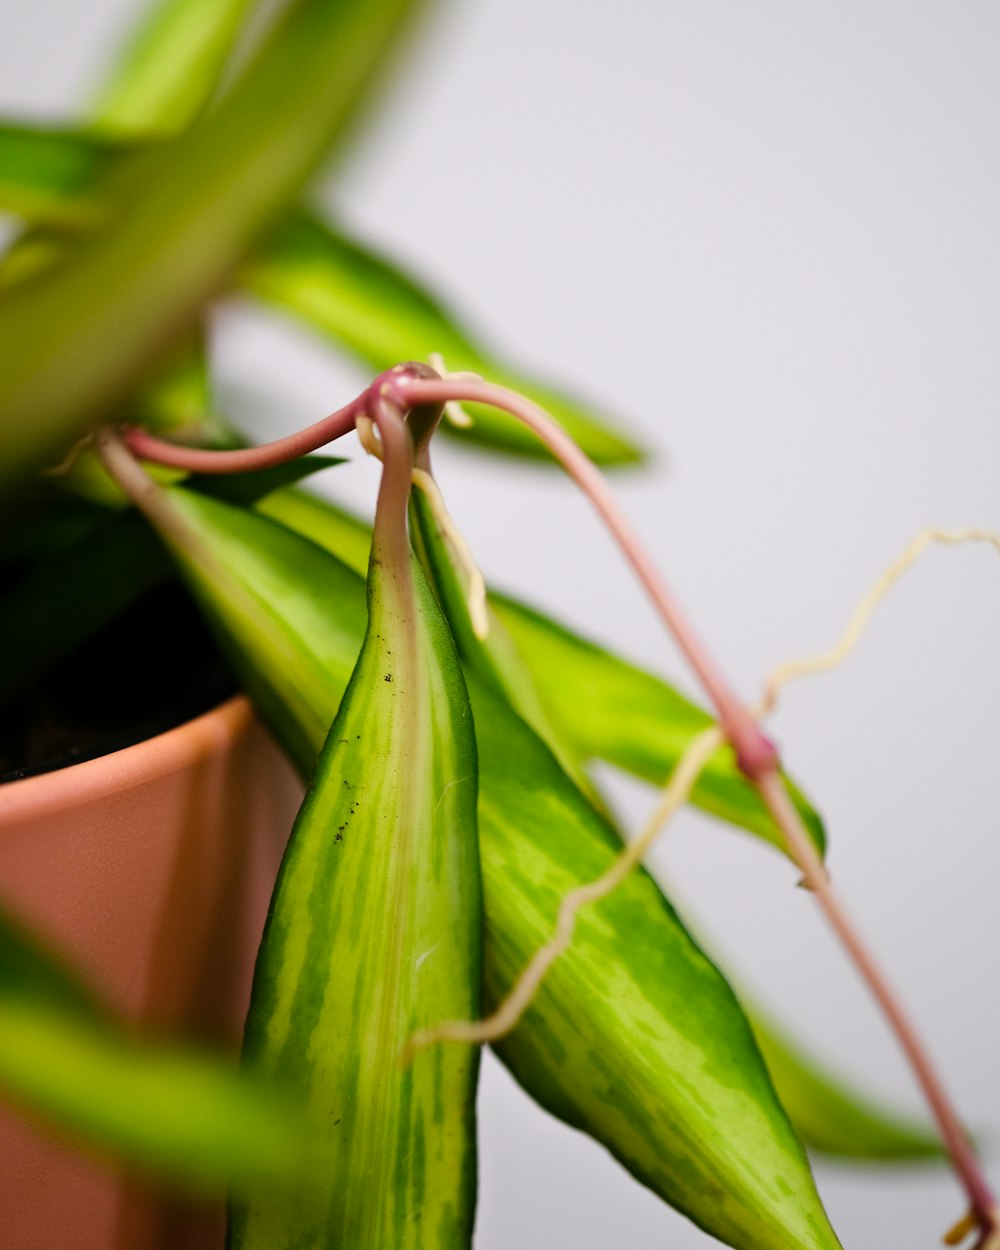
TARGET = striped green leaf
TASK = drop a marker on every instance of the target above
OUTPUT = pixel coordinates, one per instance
(291, 618)
(634, 1036)
(76, 339)
(562, 843)
(827, 1116)
(375, 932)
(585, 702)
(173, 1112)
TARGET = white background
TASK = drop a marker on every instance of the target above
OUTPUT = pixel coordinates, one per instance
(766, 234)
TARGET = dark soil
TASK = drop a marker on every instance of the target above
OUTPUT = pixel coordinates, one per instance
(154, 668)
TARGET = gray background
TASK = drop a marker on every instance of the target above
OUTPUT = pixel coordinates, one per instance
(766, 234)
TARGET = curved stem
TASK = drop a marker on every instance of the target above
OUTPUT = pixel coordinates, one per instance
(245, 459)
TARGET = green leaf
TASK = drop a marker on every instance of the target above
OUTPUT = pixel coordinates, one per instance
(495, 659)
(49, 176)
(373, 309)
(375, 932)
(167, 1110)
(383, 316)
(169, 66)
(827, 1114)
(605, 708)
(75, 340)
(830, 1116)
(341, 533)
(634, 1036)
(290, 617)
(592, 704)
(538, 836)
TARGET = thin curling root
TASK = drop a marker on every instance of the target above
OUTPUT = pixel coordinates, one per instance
(508, 1014)
(368, 438)
(823, 661)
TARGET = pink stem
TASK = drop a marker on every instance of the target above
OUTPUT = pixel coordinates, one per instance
(245, 459)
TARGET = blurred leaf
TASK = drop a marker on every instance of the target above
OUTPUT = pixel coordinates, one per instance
(167, 1110)
(372, 309)
(605, 708)
(169, 66)
(290, 616)
(341, 533)
(635, 1084)
(375, 932)
(74, 340)
(830, 1116)
(50, 176)
(383, 316)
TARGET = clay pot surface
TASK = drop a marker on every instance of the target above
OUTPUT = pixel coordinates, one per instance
(150, 868)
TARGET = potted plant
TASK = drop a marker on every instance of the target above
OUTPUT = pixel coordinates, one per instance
(450, 816)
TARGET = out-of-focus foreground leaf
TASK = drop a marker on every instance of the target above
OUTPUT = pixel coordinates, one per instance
(169, 66)
(594, 704)
(375, 932)
(73, 340)
(832, 1118)
(170, 1111)
(352, 297)
(688, 1065)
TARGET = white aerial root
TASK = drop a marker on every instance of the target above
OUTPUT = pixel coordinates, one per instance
(823, 661)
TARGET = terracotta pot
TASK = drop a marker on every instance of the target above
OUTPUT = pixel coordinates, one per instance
(151, 868)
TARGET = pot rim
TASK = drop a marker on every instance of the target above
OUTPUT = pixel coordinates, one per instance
(194, 741)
